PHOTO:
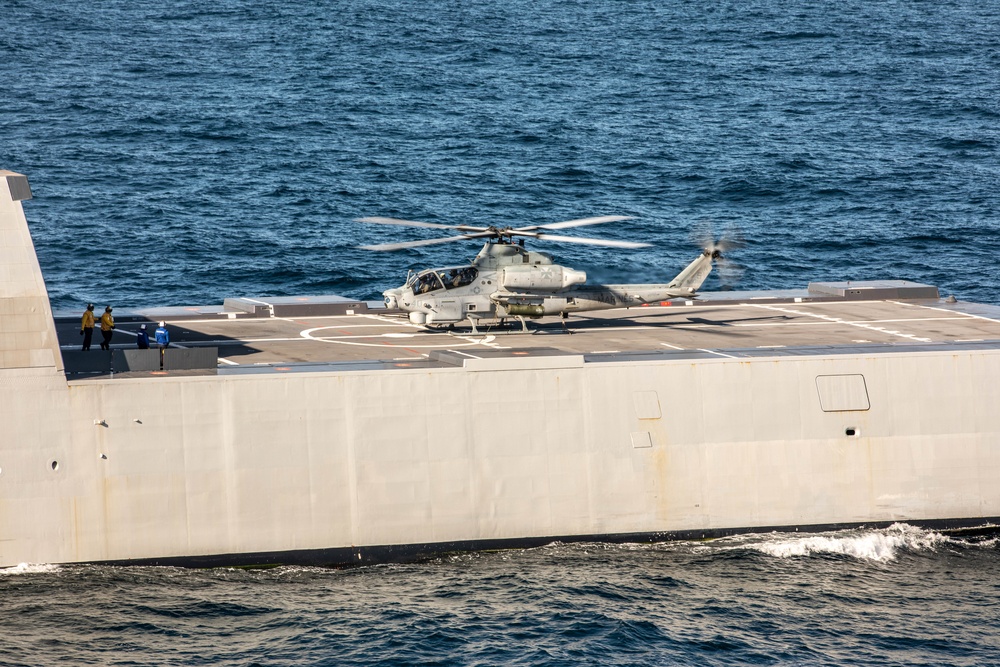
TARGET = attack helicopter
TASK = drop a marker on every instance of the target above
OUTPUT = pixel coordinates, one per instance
(505, 280)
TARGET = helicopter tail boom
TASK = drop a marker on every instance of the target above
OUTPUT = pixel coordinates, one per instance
(695, 273)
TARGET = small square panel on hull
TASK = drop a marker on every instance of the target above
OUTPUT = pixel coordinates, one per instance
(842, 393)
(647, 404)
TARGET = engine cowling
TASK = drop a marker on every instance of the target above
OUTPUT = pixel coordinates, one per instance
(549, 278)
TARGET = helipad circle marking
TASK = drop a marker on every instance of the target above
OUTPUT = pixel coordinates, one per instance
(381, 342)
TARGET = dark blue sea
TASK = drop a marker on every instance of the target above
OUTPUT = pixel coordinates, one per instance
(181, 153)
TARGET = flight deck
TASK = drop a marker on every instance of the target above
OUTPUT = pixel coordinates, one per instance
(302, 334)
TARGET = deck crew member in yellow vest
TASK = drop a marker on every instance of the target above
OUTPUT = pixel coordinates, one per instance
(107, 328)
(87, 326)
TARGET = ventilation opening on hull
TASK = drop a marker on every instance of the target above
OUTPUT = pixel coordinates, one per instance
(852, 432)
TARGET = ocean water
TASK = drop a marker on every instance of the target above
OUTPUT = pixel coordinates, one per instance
(898, 596)
(185, 152)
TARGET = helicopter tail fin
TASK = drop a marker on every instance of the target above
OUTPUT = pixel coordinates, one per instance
(695, 273)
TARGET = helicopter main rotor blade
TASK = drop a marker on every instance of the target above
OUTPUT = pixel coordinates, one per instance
(417, 244)
(581, 239)
(416, 223)
(500, 234)
(580, 222)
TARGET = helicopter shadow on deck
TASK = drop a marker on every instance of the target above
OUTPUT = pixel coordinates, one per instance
(664, 320)
(719, 323)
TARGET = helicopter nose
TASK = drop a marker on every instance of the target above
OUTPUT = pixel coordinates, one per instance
(391, 298)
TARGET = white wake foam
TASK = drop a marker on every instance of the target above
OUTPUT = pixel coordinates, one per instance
(876, 545)
(28, 568)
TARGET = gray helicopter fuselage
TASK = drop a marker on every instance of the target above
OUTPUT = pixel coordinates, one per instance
(505, 280)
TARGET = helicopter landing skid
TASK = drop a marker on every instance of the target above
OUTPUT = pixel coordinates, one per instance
(502, 324)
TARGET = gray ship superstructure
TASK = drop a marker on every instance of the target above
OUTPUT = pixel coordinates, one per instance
(327, 431)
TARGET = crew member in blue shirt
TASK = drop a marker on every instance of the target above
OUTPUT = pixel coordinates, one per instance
(162, 335)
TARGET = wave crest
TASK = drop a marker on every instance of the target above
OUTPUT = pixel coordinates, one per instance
(28, 568)
(880, 545)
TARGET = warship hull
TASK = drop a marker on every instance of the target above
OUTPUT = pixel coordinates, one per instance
(323, 431)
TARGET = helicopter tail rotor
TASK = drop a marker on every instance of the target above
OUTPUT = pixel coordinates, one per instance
(718, 248)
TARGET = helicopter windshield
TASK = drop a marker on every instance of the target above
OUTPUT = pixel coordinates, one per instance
(458, 277)
(425, 282)
(435, 279)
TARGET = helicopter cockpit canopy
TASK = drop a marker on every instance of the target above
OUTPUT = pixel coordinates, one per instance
(446, 278)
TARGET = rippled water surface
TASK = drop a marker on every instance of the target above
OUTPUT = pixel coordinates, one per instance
(898, 596)
(184, 152)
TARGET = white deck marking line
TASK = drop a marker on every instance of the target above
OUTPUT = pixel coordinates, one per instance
(307, 335)
(486, 341)
(837, 320)
(673, 347)
(291, 320)
(403, 344)
(799, 324)
(632, 328)
(379, 336)
(343, 326)
(465, 354)
(271, 320)
(913, 319)
(949, 310)
(273, 340)
(396, 322)
(728, 356)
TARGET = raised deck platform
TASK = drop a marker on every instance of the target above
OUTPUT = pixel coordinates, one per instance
(333, 333)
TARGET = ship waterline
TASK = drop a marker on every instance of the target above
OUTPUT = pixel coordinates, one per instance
(325, 431)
